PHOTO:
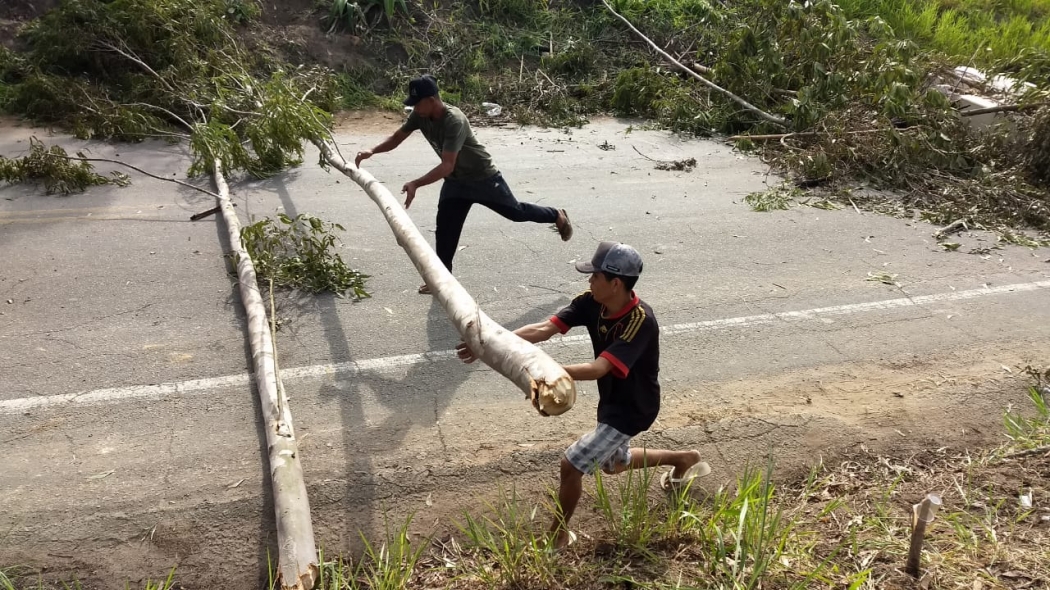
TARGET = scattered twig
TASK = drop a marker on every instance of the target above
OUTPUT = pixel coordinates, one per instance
(1027, 452)
(670, 165)
(748, 106)
(702, 69)
(951, 228)
(643, 155)
(203, 214)
(782, 136)
(163, 110)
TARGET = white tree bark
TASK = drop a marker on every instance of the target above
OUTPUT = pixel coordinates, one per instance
(297, 567)
(544, 381)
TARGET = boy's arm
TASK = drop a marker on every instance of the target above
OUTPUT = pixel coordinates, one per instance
(591, 371)
(531, 333)
(538, 332)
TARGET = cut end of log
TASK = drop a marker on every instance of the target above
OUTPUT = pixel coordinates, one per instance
(554, 399)
(307, 580)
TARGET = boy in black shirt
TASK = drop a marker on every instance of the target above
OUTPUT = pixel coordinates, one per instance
(625, 337)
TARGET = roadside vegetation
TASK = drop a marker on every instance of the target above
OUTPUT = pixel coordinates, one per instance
(855, 81)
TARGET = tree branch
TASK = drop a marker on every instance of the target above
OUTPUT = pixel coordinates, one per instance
(782, 136)
(163, 110)
(748, 106)
(141, 171)
(142, 64)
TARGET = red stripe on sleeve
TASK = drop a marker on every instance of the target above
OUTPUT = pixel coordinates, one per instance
(619, 369)
(562, 326)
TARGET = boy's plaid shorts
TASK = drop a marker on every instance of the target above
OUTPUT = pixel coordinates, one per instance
(603, 447)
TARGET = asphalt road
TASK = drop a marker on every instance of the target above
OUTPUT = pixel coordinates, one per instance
(130, 428)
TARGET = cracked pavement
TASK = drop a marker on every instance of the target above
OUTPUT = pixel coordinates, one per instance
(107, 299)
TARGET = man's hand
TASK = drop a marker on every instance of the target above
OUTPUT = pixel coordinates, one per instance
(364, 155)
(410, 190)
(465, 354)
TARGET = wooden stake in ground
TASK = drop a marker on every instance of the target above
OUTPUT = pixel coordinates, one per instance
(297, 567)
(544, 381)
(922, 514)
(750, 107)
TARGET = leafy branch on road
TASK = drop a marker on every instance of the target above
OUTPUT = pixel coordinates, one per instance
(56, 169)
(299, 253)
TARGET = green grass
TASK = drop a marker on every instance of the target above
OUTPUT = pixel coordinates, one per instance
(1030, 431)
(624, 501)
(988, 32)
(508, 545)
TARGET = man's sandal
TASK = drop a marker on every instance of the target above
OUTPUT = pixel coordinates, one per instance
(669, 482)
(424, 290)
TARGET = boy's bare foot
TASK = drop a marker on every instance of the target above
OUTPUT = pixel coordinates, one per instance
(680, 469)
(684, 472)
(563, 539)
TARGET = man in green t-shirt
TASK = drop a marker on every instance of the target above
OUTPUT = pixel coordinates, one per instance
(466, 168)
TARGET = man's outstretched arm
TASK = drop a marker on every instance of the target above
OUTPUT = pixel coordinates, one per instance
(387, 145)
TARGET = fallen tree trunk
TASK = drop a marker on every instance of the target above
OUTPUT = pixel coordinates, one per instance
(813, 134)
(1003, 108)
(297, 567)
(748, 106)
(544, 381)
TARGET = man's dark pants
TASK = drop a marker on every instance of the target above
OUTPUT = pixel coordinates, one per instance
(457, 196)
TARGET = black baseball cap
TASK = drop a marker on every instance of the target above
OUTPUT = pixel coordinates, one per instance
(420, 88)
(614, 258)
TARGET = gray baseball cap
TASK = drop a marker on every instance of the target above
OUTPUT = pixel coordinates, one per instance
(615, 258)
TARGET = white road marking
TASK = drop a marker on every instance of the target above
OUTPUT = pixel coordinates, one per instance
(200, 386)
